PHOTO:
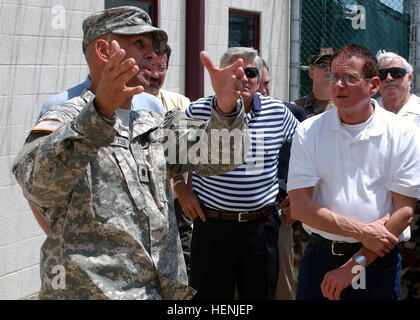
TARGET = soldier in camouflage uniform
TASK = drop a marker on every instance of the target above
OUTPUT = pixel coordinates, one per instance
(99, 175)
(319, 99)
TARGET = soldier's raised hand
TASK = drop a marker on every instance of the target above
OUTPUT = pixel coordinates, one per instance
(112, 90)
(226, 82)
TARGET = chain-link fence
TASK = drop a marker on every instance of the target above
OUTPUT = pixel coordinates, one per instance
(380, 24)
(390, 25)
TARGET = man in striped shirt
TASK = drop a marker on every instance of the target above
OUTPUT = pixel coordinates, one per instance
(234, 240)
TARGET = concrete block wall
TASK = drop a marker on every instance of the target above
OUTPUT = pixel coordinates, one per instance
(172, 19)
(274, 37)
(41, 55)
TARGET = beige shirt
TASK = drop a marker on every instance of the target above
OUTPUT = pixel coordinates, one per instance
(172, 100)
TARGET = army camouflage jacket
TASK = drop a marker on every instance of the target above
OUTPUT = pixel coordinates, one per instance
(312, 106)
(104, 191)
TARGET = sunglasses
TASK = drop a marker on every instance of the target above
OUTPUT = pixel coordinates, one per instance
(251, 72)
(395, 72)
(322, 65)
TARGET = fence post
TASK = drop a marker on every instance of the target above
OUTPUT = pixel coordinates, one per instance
(294, 89)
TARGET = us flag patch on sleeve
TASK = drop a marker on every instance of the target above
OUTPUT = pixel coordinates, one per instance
(47, 125)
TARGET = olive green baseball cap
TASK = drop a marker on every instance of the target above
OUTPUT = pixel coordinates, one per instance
(323, 52)
(125, 20)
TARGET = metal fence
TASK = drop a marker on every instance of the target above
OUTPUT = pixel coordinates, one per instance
(376, 24)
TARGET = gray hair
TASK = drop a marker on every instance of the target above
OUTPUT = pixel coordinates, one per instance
(244, 53)
(386, 57)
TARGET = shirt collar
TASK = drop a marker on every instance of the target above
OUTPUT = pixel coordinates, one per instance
(412, 106)
(256, 102)
(374, 128)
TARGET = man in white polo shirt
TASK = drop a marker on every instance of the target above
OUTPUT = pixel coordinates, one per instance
(353, 182)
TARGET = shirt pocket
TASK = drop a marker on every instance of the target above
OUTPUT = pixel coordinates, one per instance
(159, 177)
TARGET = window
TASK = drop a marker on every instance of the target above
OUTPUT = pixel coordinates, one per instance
(244, 29)
(150, 6)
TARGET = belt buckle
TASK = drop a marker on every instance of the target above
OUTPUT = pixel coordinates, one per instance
(332, 248)
(240, 219)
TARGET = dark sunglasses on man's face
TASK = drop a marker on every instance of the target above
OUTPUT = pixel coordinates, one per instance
(251, 72)
(322, 65)
(395, 72)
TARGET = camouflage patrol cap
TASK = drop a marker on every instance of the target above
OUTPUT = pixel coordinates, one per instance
(323, 52)
(125, 20)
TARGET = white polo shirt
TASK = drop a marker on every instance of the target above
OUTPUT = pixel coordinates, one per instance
(354, 177)
(410, 111)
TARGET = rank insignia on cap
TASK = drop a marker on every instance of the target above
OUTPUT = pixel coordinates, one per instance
(47, 125)
(326, 51)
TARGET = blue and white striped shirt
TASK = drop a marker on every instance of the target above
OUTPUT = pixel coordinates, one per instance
(254, 184)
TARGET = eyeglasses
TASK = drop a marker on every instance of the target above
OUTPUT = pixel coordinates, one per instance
(150, 66)
(322, 65)
(251, 72)
(347, 78)
(160, 68)
(395, 72)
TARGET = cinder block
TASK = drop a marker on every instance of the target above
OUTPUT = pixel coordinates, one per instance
(12, 200)
(6, 53)
(50, 76)
(7, 180)
(174, 7)
(29, 227)
(19, 110)
(20, 80)
(36, 19)
(11, 139)
(74, 22)
(10, 224)
(80, 5)
(2, 261)
(9, 19)
(29, 49)
(73, 75)
(23, 254)
(31, 281)
(11, 286)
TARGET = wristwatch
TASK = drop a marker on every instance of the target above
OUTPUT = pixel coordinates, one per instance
(360, 259)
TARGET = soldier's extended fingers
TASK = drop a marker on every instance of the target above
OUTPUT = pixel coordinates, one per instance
(115, 56)
(238, 69)
(132, 91)
(127, 70)
(207, 62)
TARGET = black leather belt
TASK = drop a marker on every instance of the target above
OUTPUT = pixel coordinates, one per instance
(239, 216)
(338, 248)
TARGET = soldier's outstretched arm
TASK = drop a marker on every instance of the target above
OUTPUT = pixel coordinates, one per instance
(226, 82)
(58, 150)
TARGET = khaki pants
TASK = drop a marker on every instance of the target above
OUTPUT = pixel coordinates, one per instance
(285, 283)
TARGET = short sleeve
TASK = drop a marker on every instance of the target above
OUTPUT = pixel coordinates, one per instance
(406, 177)
(302, 166)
